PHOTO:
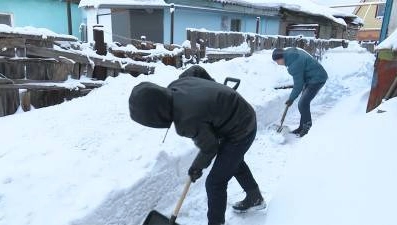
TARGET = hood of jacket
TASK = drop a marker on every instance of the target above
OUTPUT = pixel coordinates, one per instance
(151, 105)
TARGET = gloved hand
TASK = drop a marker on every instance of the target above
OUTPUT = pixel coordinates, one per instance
(289, 102)
(195, 174)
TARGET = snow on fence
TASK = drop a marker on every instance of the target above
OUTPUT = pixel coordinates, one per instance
(222, 41)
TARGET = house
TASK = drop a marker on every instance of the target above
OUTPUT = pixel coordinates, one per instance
(60, 16)
(371, 11)
(124, 20)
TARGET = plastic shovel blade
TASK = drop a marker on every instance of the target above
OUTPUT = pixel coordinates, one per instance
(156, 218)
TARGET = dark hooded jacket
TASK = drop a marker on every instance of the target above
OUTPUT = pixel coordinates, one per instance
(201, 109)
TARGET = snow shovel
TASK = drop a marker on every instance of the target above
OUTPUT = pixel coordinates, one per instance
(237, 82)
(156, 218)
(280, 128)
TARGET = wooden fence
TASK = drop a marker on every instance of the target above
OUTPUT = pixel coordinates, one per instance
(33, 68)
(256, 42)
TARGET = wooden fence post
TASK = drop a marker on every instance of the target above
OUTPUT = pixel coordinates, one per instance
(100, 47)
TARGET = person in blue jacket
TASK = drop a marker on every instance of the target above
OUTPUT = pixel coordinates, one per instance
(309, 77)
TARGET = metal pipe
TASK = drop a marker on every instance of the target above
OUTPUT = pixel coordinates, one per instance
(69, 13)
(172, 11)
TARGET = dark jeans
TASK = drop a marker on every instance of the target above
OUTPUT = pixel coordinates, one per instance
(229, 162)
(308, 93)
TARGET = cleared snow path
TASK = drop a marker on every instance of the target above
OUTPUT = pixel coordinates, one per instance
(85, 161)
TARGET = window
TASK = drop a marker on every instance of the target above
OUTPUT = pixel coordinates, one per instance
(235, 25)
(306, 30)
(380, 11)
(5, 19)
(225, 23)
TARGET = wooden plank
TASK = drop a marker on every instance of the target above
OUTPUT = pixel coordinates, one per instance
(9, 102)
(24, 59)
(5, 81)
(84, 59)
(12, 43)
(45, 86)
(216, 57)
(93, 84)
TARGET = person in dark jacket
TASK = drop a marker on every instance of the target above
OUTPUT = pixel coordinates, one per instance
(222, 125)
(309, 77)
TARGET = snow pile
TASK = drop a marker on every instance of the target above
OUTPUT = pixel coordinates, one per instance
(86, 162)
(343, 172)
(389, 43)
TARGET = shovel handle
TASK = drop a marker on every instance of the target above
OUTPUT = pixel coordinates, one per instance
(282, 119)
(284, 114)
(236, 80)
(180, 201)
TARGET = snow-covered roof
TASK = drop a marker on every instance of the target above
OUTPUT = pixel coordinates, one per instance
(389, 43)
(97, 3)
(305, 6)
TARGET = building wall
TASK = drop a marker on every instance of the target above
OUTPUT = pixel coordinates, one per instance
(326, 30)
(121, 26)
(134, 23)
(50, 14)
(92, 17)
(212, 20)
(148, 23)
(368, 14)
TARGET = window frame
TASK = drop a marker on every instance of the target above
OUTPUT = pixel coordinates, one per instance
(11, 16)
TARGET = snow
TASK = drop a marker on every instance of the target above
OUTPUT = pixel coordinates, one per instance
(160, 50)
(244, 48)
(306, 6)
(97, 3)
(28, 30)
(389, 43)
(86, 162)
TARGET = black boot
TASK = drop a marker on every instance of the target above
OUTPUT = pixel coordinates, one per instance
(297, 130)
(305, 129)
(253, 200)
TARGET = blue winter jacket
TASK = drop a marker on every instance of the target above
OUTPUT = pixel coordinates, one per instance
(304, 69)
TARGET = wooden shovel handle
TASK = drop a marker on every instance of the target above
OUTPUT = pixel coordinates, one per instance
(284, 114)
(180, 201)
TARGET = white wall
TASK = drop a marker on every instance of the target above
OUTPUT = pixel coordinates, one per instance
(105, 20)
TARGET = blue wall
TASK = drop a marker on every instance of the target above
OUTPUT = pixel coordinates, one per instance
(50, 14)
(211, 20)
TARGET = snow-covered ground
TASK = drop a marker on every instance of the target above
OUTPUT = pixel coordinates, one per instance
(85, 162)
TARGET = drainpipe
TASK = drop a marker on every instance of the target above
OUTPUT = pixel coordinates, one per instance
(172, 11)
(257, 24)
(69, 13)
